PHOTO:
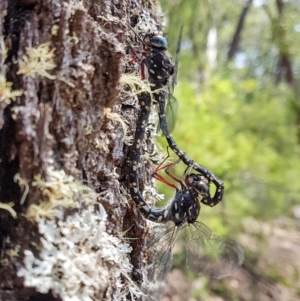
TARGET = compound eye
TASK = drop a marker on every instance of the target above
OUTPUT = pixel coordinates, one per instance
(159, 42)
(201, 188)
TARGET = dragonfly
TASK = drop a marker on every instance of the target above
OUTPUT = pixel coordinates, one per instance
(207, 253)
(183, 202)
(162, 73)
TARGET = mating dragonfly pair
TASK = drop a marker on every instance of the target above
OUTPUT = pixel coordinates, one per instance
(206, 253)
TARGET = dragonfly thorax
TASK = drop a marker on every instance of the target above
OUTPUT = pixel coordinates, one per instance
(184, 208)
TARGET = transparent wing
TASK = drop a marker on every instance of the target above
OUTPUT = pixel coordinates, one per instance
(172, 103)
(170, 109)
(209, 254)
(174, 77)
(171, 112)
(158, 260)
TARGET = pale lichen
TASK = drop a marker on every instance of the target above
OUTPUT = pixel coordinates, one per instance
(9, 208)
(116, 117)
(13, 252)
(22, 183)
(110, 19)
(134, 84)
(38, 61)
(97, 143)
(155, 156)
(146, 23)
(7, 94)
(88, 129)
(78, 259)
(58, 190)
(151, 195)
(55, 30)
(101, 143)
(73, 40)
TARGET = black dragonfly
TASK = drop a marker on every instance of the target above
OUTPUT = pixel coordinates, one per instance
(161, 72)
(206, 253)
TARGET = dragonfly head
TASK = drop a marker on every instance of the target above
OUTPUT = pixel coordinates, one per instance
(198, 184)
(156, 40)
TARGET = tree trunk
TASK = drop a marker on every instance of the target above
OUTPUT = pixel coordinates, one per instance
(234, 45)
(63, 216)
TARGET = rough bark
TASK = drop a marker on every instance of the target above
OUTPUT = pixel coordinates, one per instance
(59, 145)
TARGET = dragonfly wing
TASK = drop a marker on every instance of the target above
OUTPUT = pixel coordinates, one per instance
(171, 112)
(174, 77)
(169, 108)
(159, 248)
(172, 103)
(209, 254)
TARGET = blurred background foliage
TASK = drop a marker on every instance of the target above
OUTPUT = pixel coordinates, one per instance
(239, 106)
